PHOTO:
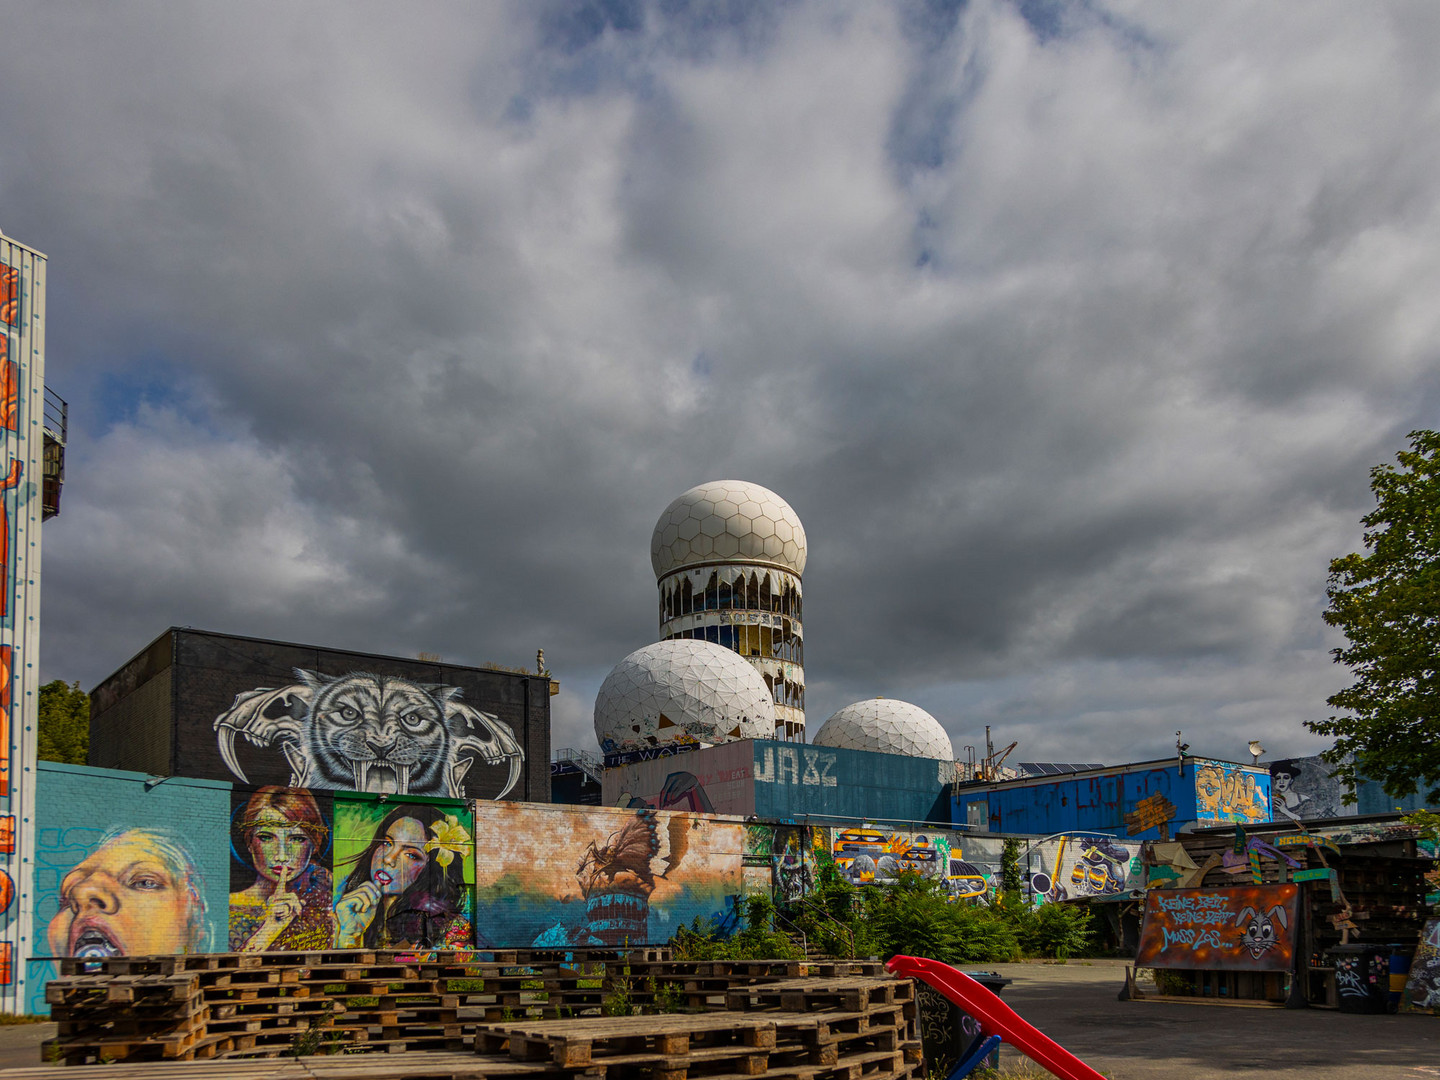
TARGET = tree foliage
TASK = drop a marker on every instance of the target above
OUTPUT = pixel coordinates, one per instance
(64, 733)
(1387, 602)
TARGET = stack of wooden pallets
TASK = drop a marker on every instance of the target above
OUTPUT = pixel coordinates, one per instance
(527, 1013)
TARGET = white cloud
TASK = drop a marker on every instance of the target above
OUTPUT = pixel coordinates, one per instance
(1072, 345)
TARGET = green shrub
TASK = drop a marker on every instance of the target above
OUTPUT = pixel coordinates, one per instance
(1058, 931)
(916, 916)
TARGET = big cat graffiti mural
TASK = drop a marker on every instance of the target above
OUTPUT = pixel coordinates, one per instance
(373, 733)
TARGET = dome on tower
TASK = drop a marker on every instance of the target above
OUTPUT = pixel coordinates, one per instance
(886, 726)
(681, 691)
(728, 521)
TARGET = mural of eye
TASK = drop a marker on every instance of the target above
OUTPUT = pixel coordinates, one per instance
(349, 714)
(414, 721)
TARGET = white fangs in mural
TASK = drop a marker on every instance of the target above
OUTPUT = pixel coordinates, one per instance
(372, 733)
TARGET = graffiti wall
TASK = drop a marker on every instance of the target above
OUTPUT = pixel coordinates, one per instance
(122, 868)
(599, 876)
(1303, 788)
(403, 875)
(1249, 928)
(22, 396)
(1226, 792)
(866, 855)
(1081, 867)
(782, 781)
(280, 857)
(261, 713)
(1422, 989)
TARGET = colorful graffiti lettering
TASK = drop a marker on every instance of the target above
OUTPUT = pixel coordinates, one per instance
(1225, 792)
(1243, 928)
(367, 732)
(408, 872)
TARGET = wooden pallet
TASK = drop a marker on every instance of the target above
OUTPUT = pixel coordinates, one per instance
(853, 994)
(662, 1047)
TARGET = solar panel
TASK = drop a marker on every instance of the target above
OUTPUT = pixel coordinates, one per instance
(1055, 768)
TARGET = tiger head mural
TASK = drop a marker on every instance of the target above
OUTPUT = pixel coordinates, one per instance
(369, 732)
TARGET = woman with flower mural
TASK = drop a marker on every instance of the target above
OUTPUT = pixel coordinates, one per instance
(279, 833)
(408, 888)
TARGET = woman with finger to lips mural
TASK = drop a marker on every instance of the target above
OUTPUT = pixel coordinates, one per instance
(407, 887)
(280, 835)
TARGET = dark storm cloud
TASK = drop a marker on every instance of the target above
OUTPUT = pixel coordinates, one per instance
(1069, 330)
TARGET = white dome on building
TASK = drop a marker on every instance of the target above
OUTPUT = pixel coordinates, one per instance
(886, 726)
(728, 521)
(682, 691)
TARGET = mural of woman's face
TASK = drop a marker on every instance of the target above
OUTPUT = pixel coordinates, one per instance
(124, 899)
(398, 860)
(278, 847)
(1282, 782)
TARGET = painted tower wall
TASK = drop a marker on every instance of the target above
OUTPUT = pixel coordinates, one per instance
(22, 410)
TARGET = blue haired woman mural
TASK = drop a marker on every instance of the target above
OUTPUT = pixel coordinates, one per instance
(411, 876)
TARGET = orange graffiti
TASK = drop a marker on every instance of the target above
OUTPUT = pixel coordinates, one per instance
(9, 385)
(7, 891)
(7, 834)
(7, 963)
(12, 479)
(5, 730)
(9, 294)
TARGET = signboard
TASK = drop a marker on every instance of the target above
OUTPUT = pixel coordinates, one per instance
(1243, 928)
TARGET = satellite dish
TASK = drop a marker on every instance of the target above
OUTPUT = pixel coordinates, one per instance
(1255, 751)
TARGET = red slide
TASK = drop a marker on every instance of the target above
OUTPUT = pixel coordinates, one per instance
(994, 1016)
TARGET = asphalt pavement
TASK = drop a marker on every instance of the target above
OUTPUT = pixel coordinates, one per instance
(1077, 1004)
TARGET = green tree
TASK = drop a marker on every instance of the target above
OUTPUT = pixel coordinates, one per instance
(64, 733)
(1387, 602)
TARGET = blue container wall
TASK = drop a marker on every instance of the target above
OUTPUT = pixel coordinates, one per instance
(1096, 804)
(792, 781)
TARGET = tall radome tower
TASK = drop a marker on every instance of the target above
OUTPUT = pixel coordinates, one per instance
(728, 556)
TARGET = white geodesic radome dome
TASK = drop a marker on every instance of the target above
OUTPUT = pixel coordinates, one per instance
(682, 691)
(886, 726)
(726, 520)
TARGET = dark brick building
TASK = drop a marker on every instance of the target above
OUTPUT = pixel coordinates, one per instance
(220, 707)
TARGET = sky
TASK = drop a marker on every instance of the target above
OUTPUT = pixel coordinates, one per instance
(1070, 330)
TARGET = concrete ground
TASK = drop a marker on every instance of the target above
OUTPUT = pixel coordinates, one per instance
(20, 1043)
(1076, 1004)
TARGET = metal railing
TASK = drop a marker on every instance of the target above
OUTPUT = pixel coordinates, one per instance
(589, 764)
(57, 416)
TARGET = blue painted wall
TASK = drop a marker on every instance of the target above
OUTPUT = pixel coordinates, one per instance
(76, 807)
(1098, 802)
(792, 781)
